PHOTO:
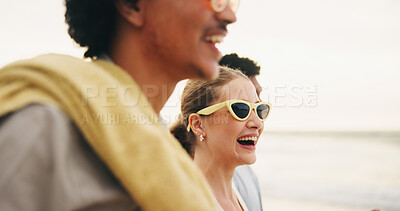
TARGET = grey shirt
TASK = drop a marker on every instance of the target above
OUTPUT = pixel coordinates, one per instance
(47, 165)
(248, 187)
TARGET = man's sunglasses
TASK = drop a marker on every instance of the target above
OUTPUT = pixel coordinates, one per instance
(220, 5)
(239, 109)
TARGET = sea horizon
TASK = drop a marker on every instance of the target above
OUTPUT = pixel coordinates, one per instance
(329, 170)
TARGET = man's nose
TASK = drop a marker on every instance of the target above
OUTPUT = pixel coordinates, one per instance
(227, 16)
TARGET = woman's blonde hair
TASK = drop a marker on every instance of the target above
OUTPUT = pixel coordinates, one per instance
(197, 95)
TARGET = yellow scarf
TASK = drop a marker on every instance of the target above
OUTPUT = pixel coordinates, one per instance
(119, 123)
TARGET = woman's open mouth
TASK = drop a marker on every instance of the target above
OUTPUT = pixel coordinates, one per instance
(247, 141)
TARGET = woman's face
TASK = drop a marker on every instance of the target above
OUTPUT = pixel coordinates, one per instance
(227, 139)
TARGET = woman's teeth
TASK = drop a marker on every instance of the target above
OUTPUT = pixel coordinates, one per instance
(254, 138)
(247, 140)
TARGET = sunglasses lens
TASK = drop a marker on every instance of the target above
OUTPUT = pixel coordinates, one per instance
(234, 4)
(218, 5)
(262, 111)
(241, 110)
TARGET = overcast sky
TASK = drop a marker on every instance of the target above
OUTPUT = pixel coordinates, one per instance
(325, 65)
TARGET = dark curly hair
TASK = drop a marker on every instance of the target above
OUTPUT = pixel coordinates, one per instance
(91, 24)
(246, 65)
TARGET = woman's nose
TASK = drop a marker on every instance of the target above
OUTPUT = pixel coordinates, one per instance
(254, 121)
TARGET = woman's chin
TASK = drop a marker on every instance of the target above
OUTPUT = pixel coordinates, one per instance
(251, 159)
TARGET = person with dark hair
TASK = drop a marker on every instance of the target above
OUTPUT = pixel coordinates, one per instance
(246, 65)
(219, 126)
(86, 135)
(244, 178)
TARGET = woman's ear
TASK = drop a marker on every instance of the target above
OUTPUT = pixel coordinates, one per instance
(133, 13)
(196, 125)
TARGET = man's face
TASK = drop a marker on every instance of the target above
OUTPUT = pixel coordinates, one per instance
(181, 36)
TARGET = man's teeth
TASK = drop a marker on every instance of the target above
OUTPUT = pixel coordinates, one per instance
(254, 138)
(215, 39)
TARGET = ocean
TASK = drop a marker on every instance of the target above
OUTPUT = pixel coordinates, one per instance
(348, 171)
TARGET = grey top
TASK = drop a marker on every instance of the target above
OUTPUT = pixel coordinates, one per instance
(247, 185)
(47, 165)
